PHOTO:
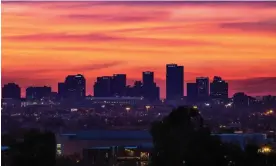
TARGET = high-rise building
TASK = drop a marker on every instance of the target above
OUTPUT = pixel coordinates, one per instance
(37, 93)
(148, 78)
(219, 89)
(102, 87)
(118, 85)
(74, 86)
(192, 94)
(174, 82)
(150, 89)
(202, 88)
(11, 90)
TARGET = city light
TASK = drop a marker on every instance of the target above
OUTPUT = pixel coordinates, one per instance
(207, 104)
(269, 112)
(103, 106)
(229, 105)
(195, 107)
(127, 109)
(147, 107)
(265, 149)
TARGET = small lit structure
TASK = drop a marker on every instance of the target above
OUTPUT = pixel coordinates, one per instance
(207, 104)
(265, 149)
(140, 138)
(127, 109)
(116, 100)
(195, 107)
(229, 105)
(74, 109)
(148, 107)
(269, 112)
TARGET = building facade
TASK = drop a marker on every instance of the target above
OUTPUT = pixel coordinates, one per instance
(202, 88)
(11, 90)
(192, 94)
(150, 90)
(74, 87)
(219, 89)
(174, 82)
(38, 93)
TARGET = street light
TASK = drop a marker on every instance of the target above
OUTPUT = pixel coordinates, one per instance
(207, 104)
(127, 109)
(147, 107)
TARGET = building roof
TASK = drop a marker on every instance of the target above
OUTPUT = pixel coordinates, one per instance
(115, 98)
(109, 135)
(140, 135)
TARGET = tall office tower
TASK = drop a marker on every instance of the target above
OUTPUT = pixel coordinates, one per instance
(75, 86)
(219, 89)
(192, 92)
(102, 87)
(11, 90)
(150, 89)
(118, 85)
(148, 78)
(202, 88)
(37, 93)
(174, 82)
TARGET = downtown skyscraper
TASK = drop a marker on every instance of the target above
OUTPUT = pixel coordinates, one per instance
(219, 89)
(110, 86)
(150, 90)
(103, 86)
(37, 93)
(174, 82)
(118, 85)
(202, 88)
(74, 87)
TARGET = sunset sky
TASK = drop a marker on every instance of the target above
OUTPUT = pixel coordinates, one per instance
(42, 42)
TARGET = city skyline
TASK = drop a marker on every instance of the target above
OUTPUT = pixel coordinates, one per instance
(233, 40)
(74, 86)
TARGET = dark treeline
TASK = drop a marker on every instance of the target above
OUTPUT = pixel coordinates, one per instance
(33, 148)
(180, 139)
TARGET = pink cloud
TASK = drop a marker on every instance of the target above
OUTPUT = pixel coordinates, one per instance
(65, 37)
(257, 26)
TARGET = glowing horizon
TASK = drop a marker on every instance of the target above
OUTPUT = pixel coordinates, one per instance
(43, 42)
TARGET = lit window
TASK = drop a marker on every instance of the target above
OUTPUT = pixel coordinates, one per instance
(58, 152)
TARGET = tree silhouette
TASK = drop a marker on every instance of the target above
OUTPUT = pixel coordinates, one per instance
(35, 148)
(182, 138)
